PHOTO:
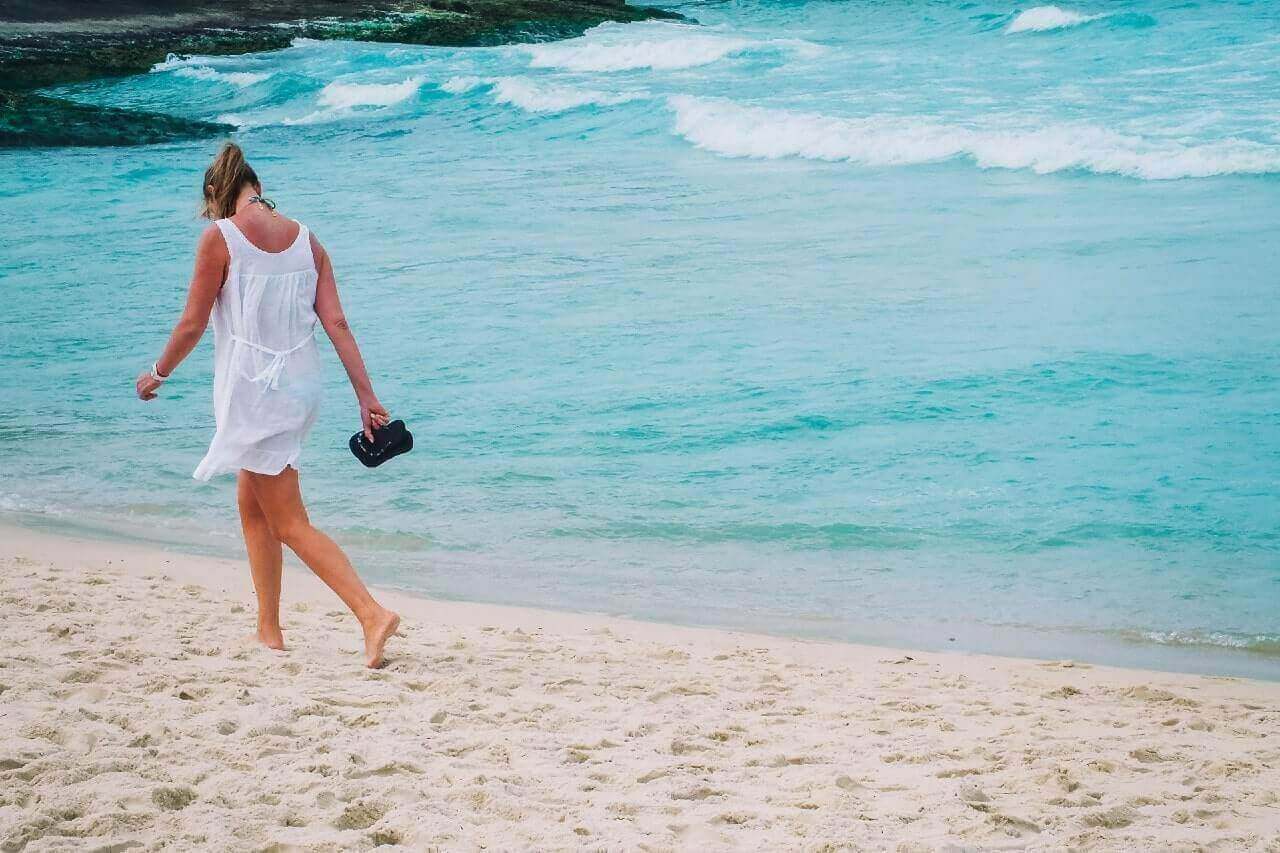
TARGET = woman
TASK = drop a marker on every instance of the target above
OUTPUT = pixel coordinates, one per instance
(267, 281)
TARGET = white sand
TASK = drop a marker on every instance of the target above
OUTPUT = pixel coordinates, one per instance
(136, 714)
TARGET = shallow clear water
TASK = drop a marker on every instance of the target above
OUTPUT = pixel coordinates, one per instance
(899, 322)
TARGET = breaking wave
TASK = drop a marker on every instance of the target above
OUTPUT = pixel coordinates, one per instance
(535, 97)
(199, 68)
(458, 85)
(345, 96)
(335, 101)
(234, 78)
(1043, 18)
(548, 98)
(733, 130)
(661, 47)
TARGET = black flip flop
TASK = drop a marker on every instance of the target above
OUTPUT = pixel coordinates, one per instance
(388, 441)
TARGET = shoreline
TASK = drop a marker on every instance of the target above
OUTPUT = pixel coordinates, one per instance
(1011, 643)
(139, 712)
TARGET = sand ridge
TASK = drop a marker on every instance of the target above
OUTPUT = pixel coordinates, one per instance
(138, 714)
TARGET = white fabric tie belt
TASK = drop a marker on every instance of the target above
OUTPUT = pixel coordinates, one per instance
(271, 373)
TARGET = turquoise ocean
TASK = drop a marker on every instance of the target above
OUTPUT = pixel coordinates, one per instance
(940, 324)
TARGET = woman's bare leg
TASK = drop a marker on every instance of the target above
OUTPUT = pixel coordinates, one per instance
(281, 501)
(266, 561)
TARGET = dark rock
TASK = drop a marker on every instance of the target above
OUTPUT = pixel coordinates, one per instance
(68, 44)
(35, 121)
(50, 42)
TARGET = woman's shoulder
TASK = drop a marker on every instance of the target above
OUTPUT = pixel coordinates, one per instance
(213, 239)
(318, 254)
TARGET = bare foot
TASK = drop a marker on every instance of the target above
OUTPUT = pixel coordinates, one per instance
(376, 636)
(272, 638)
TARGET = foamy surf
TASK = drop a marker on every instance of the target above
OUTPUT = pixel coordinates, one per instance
(172, 61)
(201, 68)
(459, 85)
(549, 98)
(659, 47)
(241, 79)
(346, 96)
(537, 97)
(336, 101)
(733, 130)
(1045, 18)
(1261, 644)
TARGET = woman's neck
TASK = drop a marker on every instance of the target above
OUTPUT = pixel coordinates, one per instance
(245, 200)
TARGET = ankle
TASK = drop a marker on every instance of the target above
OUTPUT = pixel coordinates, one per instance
(373, 616)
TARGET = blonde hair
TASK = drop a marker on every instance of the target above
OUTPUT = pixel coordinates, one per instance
(223, 180)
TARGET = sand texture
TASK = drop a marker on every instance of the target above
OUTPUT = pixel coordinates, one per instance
(135, 714)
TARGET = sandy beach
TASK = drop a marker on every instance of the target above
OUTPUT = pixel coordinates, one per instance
(138, 714)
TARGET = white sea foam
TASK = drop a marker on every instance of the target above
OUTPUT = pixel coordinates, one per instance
(201, 68)
(172, 61)
(338, 100)
(551, 98)
(1252, 642)
(235, 78)
(458, 85)
(1042, 18)
(345, 96)
(731, 129)
(13, 502)
(661, 47)
(800, 47)
(235, 119)
(537, 97)
(245, 122)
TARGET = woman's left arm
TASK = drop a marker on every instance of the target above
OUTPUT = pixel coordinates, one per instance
(329, 309)
(206, 281)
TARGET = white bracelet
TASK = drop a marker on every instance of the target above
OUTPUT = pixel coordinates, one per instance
(155, 372)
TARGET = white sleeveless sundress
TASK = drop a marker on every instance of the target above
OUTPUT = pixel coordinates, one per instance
(266, 366)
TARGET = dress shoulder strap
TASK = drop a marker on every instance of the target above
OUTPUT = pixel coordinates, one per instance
(230, 234)
(304, 245)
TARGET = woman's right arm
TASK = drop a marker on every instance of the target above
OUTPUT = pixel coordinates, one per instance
(210, 271)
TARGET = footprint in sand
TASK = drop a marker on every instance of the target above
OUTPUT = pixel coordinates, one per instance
(1149, 755)
(80, 675)
(700, 793)
(173, 799)
(1147, 693)
(1113, 818)
(732, 818)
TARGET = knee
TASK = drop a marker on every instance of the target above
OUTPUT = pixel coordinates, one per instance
(291, 532)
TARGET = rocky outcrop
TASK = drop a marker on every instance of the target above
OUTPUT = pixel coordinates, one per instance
(44, 44)
(34, 121)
